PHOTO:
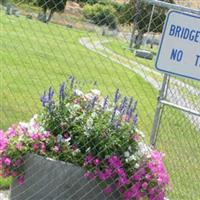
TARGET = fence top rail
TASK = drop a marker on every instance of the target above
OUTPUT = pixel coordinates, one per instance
(172, 6)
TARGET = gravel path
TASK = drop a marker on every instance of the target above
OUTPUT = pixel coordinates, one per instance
(153, 77)
(4, 195)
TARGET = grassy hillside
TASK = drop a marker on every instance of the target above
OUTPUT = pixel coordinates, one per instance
(36, 55)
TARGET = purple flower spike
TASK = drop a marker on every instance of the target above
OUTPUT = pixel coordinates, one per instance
(105, 103)
(50, 98)
(61, 91)
(43, 99)
(130, 114)
(124, 103)
(114, 113)
(93, 102)
(135, 120)
(50, 94)
(72, 81)
(117, 96)
(130, 104)
(117, 124)
(135, 106)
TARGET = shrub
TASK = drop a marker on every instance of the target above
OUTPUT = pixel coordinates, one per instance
(91, 2)
(94, 132)
(101, 15)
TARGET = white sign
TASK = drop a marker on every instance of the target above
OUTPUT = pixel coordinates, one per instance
(179, 51)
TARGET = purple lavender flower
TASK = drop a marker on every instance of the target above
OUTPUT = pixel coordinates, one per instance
(130, 104)
(72, 81)
(117, 96)
(105, 103)
(114, 113)
(50, 94)
(43, 99)
(135, 106)
(117, 124)
(135, 119)
(124, 103)
(50, 98)
(61, 91)
(130, 114)
(93, 102)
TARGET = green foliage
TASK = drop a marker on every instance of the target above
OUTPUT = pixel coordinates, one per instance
(101, 15)
(124, 12)
(139, 14)
(91, 2)
(89, 120)
(55, 5)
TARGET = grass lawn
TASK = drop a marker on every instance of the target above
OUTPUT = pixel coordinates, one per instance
(36, 55)
(121, 47)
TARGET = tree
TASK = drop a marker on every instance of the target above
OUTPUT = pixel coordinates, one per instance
(140, 13)
(52, 5)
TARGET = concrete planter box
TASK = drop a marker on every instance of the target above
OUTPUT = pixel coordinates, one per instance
(48, 179)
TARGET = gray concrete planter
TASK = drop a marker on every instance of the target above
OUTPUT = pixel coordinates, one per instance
(47, 179)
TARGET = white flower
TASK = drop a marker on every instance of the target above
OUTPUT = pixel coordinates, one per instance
(86, 133)
(126, 154)
(67, 140)
(140, 133)
(89, 96)
(96, 92)
(78, 92)
(144, 149)
(75, 152)
(24, 125)
(88, 149)
(89, 123)
(129, 159)
(35, 116)
(137, 165)
(117, 113)
(132, 157)
(94, 114)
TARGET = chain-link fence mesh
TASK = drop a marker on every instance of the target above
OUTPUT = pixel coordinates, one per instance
(109, 45)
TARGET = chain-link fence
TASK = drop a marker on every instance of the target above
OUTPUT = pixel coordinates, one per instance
(107, 45)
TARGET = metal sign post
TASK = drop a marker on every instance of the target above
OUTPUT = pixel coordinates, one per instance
(159, 108)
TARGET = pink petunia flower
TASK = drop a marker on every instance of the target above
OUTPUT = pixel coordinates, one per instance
(96, 162)
(108, 189)
(3, 141)
(20, 180)
(7, 161)
(56, 149)
(19, 146)
(35, 147)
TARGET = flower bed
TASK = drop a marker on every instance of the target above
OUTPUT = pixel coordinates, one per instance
(96, 133)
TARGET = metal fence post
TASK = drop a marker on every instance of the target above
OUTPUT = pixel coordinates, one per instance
(159, 109)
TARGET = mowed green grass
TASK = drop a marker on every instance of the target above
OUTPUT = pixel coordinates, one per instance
(121, 47)
(36, 55)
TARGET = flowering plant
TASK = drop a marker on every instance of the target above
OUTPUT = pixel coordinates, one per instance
(93, 132)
